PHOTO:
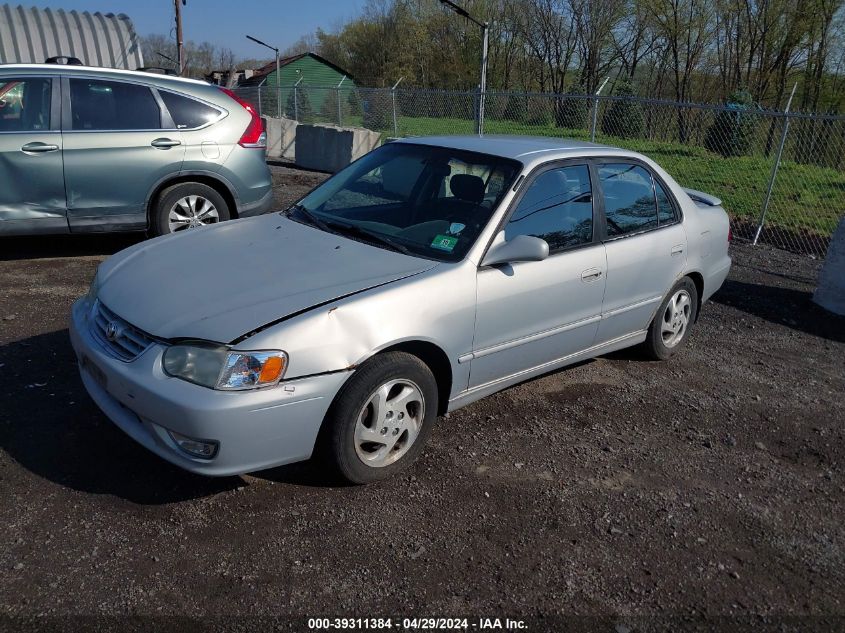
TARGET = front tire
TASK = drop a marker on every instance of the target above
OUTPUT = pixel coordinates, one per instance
(380, 420)
(186, 206)
(670, 328)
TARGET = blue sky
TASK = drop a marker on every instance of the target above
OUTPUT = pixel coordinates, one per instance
(226, 22)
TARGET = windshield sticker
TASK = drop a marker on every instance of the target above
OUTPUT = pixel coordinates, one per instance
(444, 243)
(456, 227)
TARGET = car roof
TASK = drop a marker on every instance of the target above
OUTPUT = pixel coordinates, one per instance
(517, 147)
(54, 69)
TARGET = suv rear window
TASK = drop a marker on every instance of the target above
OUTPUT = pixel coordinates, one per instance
(188, 113)
(112, 105)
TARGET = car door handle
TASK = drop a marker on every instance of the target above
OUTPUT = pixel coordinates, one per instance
(39, 148)
(165, 143)
(677, 250)
(591, 274)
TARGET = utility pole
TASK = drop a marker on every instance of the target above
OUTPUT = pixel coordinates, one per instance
(278, 74)
(484, 26)
(177, 4)
(485, 29)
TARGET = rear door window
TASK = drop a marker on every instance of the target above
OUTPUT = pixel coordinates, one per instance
(25, 104)
(188, 113)
(112, 105)
(629, 202)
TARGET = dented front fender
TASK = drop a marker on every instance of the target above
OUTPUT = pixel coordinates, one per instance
(436, 307)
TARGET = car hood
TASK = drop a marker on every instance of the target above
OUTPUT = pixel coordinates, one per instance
(221, 282)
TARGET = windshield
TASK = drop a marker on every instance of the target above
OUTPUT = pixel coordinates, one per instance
(417, 199)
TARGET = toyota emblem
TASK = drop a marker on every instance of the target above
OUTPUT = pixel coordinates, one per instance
(111, 331)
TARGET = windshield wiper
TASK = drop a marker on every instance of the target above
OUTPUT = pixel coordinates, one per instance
(312, 219)
(372, 236)
(339, 228)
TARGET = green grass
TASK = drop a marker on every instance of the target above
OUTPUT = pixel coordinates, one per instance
(805, 197)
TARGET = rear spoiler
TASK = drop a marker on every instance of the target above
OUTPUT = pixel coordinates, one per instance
(704, 198)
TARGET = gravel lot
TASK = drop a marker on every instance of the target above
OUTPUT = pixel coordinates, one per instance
(620, 489)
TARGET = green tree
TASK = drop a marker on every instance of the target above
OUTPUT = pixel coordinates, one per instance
(572, 111)
(301, 106)
(378, 111)
(353, 103)
(624, 118)
(328, 110)
(732, 133)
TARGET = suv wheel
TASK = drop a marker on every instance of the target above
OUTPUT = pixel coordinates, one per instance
(378, 424)
(187, 205)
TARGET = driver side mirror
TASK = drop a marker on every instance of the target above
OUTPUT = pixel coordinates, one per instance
(522, 248)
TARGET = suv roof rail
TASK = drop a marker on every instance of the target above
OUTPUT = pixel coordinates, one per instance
(69, 61)
(158, 70)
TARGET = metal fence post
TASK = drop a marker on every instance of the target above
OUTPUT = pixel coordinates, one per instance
(393, 95)
(260, 111)
(339, 114)
(596, 110)
(477, 112)
(395, 123)
(775, 167)
(296, 99)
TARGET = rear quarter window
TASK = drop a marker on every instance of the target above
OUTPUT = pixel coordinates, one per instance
(188, 113)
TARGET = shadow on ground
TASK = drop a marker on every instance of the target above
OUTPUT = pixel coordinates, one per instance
(783, 306)
(51, 427)
(44, 246)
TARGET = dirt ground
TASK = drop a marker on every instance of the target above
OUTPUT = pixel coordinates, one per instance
(704, 491)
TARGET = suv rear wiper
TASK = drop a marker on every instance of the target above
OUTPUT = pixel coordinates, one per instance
(372, 236)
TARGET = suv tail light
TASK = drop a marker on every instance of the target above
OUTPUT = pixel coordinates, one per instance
(254, 135)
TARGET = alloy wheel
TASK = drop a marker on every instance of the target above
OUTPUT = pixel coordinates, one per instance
(389, 423)
(191, 212)
(676, 318)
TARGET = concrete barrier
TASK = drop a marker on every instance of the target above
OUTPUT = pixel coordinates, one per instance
(330, 148)
(281, 137)
(830, 293)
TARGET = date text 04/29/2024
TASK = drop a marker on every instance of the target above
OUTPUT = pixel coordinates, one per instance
(422, 624)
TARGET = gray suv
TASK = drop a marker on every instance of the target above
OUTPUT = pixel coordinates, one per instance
(93, 149)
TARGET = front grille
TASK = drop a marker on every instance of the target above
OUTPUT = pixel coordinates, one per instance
(119, 338)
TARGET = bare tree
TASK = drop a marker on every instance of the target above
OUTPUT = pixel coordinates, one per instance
(686, 27)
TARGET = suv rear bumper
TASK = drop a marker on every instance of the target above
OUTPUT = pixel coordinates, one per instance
(262, 205)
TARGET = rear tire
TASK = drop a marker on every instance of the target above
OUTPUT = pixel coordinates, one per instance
(185, 206)
(379, 422)
(670, 328)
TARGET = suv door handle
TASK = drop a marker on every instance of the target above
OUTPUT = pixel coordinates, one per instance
(39, 148)
(165, 143)
(590, 275)
(677, 250)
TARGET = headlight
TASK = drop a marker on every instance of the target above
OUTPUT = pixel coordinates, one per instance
(219, 368)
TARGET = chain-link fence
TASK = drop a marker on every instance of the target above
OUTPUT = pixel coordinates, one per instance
(781, 176)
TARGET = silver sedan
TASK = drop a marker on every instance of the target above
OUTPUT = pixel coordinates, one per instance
(428, 274)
